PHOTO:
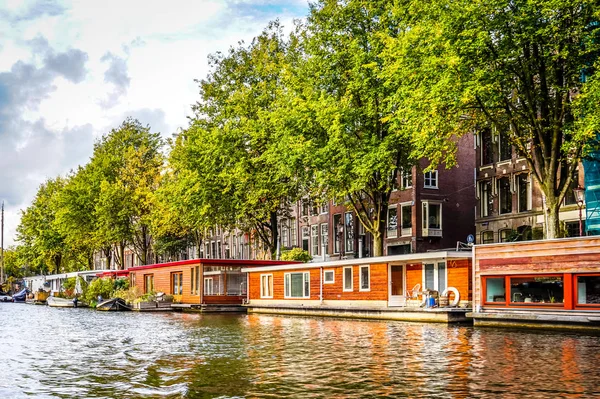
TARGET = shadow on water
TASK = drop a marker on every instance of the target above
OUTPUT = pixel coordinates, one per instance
(65, 353)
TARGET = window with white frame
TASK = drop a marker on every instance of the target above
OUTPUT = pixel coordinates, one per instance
(285, 234)
(406, 179)
(392, 222)
(338, 232)
(328, 276)
(348, 278)
(324, 208)
(524, 192)
(505, 195)
(431, 179)
(324, 237)
(266, 286)
(293, 233)
(314, 239)
(349, 231)
(365, 278)
(432, 215)
(434, 276)
(297, 285)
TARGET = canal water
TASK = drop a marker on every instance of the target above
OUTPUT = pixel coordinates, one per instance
(81, 353)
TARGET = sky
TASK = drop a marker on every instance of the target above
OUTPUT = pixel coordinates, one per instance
(70, 71)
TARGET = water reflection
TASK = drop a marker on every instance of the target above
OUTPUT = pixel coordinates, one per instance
(64, 353)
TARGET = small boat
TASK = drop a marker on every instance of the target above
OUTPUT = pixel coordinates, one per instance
(113, 304)
(5, 297)
(20, 296)
(56, 302)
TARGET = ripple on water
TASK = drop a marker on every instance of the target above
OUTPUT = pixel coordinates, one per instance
(64, 353)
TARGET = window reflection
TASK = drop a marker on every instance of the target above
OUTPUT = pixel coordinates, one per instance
(546, 289)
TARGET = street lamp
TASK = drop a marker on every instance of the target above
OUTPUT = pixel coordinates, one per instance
(579, 196)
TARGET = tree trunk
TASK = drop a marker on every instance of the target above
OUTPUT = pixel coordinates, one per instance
(274, 235)
(551, 213)
(378, 244)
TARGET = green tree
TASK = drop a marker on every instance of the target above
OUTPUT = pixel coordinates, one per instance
(127, 164)
(514, 66)
(231, 158)
(340, 105)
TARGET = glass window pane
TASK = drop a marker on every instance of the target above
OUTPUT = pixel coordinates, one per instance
(307, 285)
(434, 216)
(348, 278)
(406, 217)
(287, 285)
(588, 289)
(536, 289)
(441, 276)
(429, 284)
(364, 278)
(296, 285)
(495, 289)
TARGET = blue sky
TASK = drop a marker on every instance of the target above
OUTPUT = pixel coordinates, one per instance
(72, 70)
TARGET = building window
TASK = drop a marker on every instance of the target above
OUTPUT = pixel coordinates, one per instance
(431, 179)
(434, 276)
(487, 237)
(324, 237)
(328, 276)
(305, 237)
(219, 250)
(148, 283)
(314, 239)
(293, 232)
(297, 285)
(505, 146)
(487, 147)
(588, 290)
(524, 192)
(337, 220)
(365, 278)
(406, 213)
(305, 207)
(348, 278)
(570, 198)
(505, 195)
(392, 222)
(495, 289)
(349, 230)
(324, 208)
(539, 289)
(506, 235)
(285, 234)
(177, 283)
(485, 198)
(572, 228)
(266, 286)
(407, 179)
(432, 215)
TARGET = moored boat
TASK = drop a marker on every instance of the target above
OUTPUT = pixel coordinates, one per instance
(56, 302)
(20, 296)
(113, 304)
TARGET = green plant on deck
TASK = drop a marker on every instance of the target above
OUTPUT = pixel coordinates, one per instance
(130, 295)
(103, 287)
(296, 254)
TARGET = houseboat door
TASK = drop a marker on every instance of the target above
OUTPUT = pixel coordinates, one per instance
(396, 286)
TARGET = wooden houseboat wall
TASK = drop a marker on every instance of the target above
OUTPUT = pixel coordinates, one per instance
(367, 283)
(533, 283)
(197, 281)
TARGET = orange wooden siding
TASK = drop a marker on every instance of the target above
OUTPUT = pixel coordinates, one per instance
(162, 280)
(460, 276)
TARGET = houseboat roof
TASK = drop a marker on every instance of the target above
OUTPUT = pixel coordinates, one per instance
(224, 262)
(361, 261)
(66, 275)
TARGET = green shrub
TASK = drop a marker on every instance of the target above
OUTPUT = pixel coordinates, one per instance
(101, 286)
(130, 295)
(296, 254)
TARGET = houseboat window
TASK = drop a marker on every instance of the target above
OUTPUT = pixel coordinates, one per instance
(495, 289)
(505, 195)
(431, 179)
(348, 278)
(236, 283)
(365, 280)
(177, 283)
(435, 276)
(542, 289)
(266, 286)
(297, 285)
(314, 239)
(328, 277)
(148, 283)
(192, 281)
(209, 286)
(588, 290)
(197, 291)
